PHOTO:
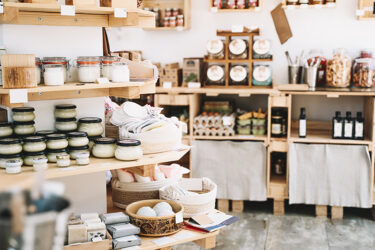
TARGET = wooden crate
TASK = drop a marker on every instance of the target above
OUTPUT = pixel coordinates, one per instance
(214, 9)
(101, 245)
(111, 131)
(175, 100)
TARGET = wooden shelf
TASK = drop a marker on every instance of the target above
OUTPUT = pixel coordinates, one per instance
(50, 14)
(234, 138)
(209, 60)
(26, 178)
(167, 28)
(308, 6)
(129, 90)
(251, 9)
(214, 91)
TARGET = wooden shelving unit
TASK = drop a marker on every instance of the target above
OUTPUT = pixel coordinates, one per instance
(251, 9)
(232, 138)
(364, 10)
(308, 6)
(50, 14)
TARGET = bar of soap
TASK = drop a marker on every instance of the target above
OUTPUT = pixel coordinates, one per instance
(77, 234)
(114, 218)
(128, 241)
(75, 221)
(95, 230)
(89, 216)
(122, 230)
(92, 221)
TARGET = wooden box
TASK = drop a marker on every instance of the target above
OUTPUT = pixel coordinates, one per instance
(111, 131)
(101, 245)
(19, 77)
(192, 70)
(81, 3)
(172, 66)
(181, 100)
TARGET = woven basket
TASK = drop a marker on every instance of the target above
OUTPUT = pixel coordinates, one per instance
(155, 226)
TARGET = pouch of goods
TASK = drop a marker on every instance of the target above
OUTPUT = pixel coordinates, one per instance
(122, 230)
(128, 241)
(114, 218)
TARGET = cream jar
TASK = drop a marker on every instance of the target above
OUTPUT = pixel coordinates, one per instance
(34, 144)
(128, 150)
(83, 159)
(66, 125)
(4, 158)
(54, 75)
(74, 151)
(107, 62)
(63, 161)
(91, 125)
(10, 146)
(23, 114)
(91, 141)
(56, 141)
(45, 132)
(5, 129)
(13, 166)
(61, 61)
(78, 139)
(40, 164)
(65, 111)
(51, 154)
(120, 72)
(24, 128)
(88, 68)
(104, 147)
(28, 158)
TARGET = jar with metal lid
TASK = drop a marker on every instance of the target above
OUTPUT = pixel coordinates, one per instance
(66, 125)
(23, 114)
(262, 75)
(88, 68)
(34, 144)
(57, 141)
(276, 125)
(4, 158)
(262, 49)
(63, 161)
(75, 151)
(65, 111)
(107, 66)
(39, 70)
(40, 163)
(91, 125)
(120, 72)
(292, 2)
(339, 70)
(364, 73)
(128, 150)
(157, 16)
(57, 61)
(45, 132)
(52, 153)
(104, 147)
(166, 22)
(77, 139)
(215, 49)
(10, 146)
(175, 12)
(238, 75)
(172, 21)
(92, 139)
(180, 20)
(167, 12)
(54, 75)
(6, 129)
(238, 49)
(24, 128)
(13, 166)
(82, 159)
(215, 75)
(28, 157)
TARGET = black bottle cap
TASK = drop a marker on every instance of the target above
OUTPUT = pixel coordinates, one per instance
(359, 114)
(338, 114)
(348, 114)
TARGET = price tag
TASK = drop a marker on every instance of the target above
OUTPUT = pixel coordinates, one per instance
(121, 13)
(214, 9)
(180, 28)
(318, 6)
(102, 80)
(290, 7)
(360, 12)
(304, 6)
(331, 5)
(194, 85)
(167, 85)
(179, 218)
(67, 169)
(1, 8)
(68, 10)
(257, 9)
(237, 28)
(18, 96)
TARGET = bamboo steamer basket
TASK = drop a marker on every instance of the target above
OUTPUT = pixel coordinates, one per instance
(155, 226)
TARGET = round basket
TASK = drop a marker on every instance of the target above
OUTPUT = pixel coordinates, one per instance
(155, 226)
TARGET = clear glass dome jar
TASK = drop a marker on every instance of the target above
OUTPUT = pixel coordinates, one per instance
(62, 61)
(65, 111)
(56, 141)
(107, 62)
(77, 139)
(34, 144)
(54, 75)
(88, 68)
(6, 129)
(28, 158)
(74, 151)
(13, 166)
(51, 154)
(66, 125)
(39, 70)
(128, 150)
(91, 125)
(238, 49)
(215, 49)
(339, 70)
(120, 72)
(215, 75)
(262, 75)
(364, 73)
(24, 128)
(4, 158)
(238, 75)
(104, 147)
(23, 114)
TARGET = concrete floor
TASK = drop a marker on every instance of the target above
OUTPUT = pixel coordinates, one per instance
(297, 230)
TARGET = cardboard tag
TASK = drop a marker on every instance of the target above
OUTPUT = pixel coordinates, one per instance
(214, 9)
(281, 24)
(179, 218)
(167, 85)
(68, 10)
(120, 13)
(102, 80)
(163, 241)
(18, 96)
(1, 8)
(202, 219)
(193, 85)
(360, 12)
(237, 28)
(191, 184)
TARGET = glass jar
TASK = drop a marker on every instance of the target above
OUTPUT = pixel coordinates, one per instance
(238, 75)
(262, 49)
(54, 75)
(28, 158)
(34, 144)
(56, 141)
(75, 151)
(317, 1)
(63, 161)
(40, 163)
(215, 75)
(241, 4)
(5, 158)
(13, 166)
(24, 128)
(276, 125)
(5, 129)
(238, 49)
(45, 132)
(65, 111)
(120, 72)
(38, 67)
(57, 61)
(175, 12)
(128, 150)
(91, 125)
(23, 114)
(215, 49)
(364, 73)
(66, 125)
(157, 16)
(303, 2)
(104, 147)
(231, 4)
(82, 159)
(10, 146)
(51, 154)
(78, 139)
(262, 75)
(292, 2)
(312, 58)
(167, 12)
(339, 70)
(166, 22)
(180, 20)
(172, 21)
(107, 62)
(88, 68)
(91, 141)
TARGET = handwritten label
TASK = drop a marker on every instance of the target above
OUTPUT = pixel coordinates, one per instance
(360, 12)
(214, 9)
(194, 85)
(121, 13)
(18, 96)
(102, 80)
(167, 85)
(68, 10)
(237, 28)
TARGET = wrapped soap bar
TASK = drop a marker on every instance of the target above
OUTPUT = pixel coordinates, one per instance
(92, 221)
(95, 230)
(122, 230)
(89, 216)
(114, 218)
(77, 234)
(128, 241)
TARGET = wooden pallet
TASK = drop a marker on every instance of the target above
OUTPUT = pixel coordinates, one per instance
(237, 205)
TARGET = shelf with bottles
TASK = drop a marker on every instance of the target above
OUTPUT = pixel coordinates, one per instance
(235, 6)
(308, 4)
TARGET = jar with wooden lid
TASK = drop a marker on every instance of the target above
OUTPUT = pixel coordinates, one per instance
(238, 49)
(107, 63)
(215, 49)
(216, 75)
(238, 75)
(262, 75)
(338, 73)
(58, 61)
(88, 68)
(262, 49)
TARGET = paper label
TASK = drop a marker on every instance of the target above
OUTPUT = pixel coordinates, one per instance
(337, 129)
(1, 8)
(276, 128)
(302, 127)
(214, 9)
(358, 129)
(18, 96)
(360, 12)
(102, 80)
(348, 130)
(194, 85)
(163, 241)
(237, 28)
(179, 217)
(68, 10)
(167, 85)
(120, 12)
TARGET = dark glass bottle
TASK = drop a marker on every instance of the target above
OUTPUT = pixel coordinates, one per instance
(337, 126)
(348, 126)
(302, 123)
(359, 127)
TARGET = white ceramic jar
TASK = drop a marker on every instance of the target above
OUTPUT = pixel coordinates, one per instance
(10, 146)
(74, 151)
(88, 68)
(23, 114)
(51, 154)
(56, 141)
(91, 125)
(4, 158)
(13, 166)
(120, 72)
(66, 125)
(104, 147)
(28, 158)
(82, 159)
(6, 129)
(107, 62)
(63, 161)
(128, 150)
(65, 111)
(62, 61)
(24, 128)
(77, 139)
(40, 164)
(34, 144)
(54, 75)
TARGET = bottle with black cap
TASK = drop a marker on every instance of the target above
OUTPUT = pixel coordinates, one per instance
(348, 126)
(337, 126)
(359, 127)
(302, 123)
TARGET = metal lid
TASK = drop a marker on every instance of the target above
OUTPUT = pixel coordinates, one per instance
(61, 150)
(65, 106)
(45, 132)
(5, 124)
(79, 148)
(35, 138)
(33, 153)
(10, 156)
(23, 109)
(129, 143)
(90, 120)
(66, 119)
(76, 134)
(23, 123)
(55, 137)
(105, 140)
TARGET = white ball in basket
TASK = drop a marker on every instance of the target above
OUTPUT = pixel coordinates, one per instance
(162, 207)
(146, 212)
(163, 213)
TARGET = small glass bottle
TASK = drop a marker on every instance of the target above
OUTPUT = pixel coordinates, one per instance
(359, 127)
(348, 126)
(337, 126)
(302, 123)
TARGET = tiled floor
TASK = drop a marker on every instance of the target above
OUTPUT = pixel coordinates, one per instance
(297, 230)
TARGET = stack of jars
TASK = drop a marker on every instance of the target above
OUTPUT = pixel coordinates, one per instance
(79, 147)
(173, 18)
(65, 115)
(94, 129)
(23, 121)
(114, 70)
